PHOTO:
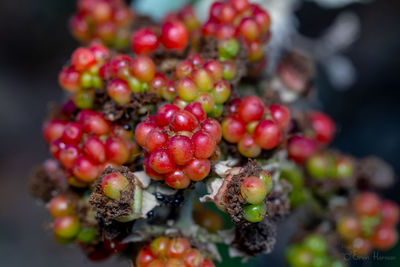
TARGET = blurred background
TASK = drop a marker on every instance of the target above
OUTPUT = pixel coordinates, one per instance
(35, 43)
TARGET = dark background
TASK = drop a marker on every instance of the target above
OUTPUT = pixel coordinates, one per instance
(35, 43)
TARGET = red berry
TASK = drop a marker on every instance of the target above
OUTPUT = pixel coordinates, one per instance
(70, 79)
(233, 129)
(142, 130)
(100, 52)
(248, 28)
(240, 5)
(94, 149)
(384, 237)
(155, 139)
(215, 9)
(212, 127)
(145, 257)
(55, 147)
(120, 65)
(360, 247)
(85, 170)
(157, 263)
(262, 18)
(204, 145)
(93, 122)
(174, 35)
(159, 246)
(255, 51)
(253, 190)
(323, 126)
(184, 69)
(280, 114)
(196, 60)
(83, 59)
(161, 161)
(248, 147)
(390, 213)
(53, 130)
(113, 183)
(209, 28)
(226, 13)
(193, 258)
(68, 155)
(165, 114)
(197, 169)
(300, 148)
(171, 262)
(184, 121)
(221, 92)
(267, 134)
(180, 148)
(177, 179)
(215, 68)
(116, 150)
(367, 204)
(207, 263)
(197, 110)
(119, 91)
(250, 109)
(60, 206)
(143, 68)
(178, 247)
(79, 28)
(150, 172)
(158, 83)
(72, 133)
(224, 31)
(101, 12)
(349, 227)
(144, 41)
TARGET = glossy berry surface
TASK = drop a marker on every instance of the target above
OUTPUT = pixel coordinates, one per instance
(253, 190)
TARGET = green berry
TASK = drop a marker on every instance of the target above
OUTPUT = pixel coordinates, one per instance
(344, 168)
(228, 48)
(221, 92)
(86, 80)
(318, 165)
(255, 212)
(86, 235)
(216, 111)
(267, 179)
(84, 99)
(134, 84)
(96, 81)
(67, 226)
(301, 257)
(316, 244)
(320, 261)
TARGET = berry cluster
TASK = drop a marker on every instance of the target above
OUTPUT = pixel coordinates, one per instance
(174, 36)
(204, 82)
(188, 16)
(248, 127)
(239, 19)
(67, 226)
(106, 20)
(311, 251)
(83, 74)
(126, 75)
(86, 147)
(178, 144)
(254, 190)
(328, 165)
(171, 252)
(372, 226)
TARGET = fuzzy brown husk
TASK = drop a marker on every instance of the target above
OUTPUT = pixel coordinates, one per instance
(107, 210)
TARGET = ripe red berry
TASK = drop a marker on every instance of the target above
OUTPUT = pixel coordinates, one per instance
(208, 263)
(161, 161)
(215, 68)
(53, 129)
(55, 147)
(165, 114)
(120, 65)
(100, 52)
(184, 69)
(177, 179)
(215, 9)
(142, 130)
(184, 121)
(156, 139)
(300, 148)
(280, 114)
(255, 51)
(390, 213)
(193, 258)
(248, 28)
(68, 155)
(209, 28)
(116, 150)
(197, 169)
(262, 18)
(197, 110)
(174, 35)
(196, 60)
(224, 31)
(212, 127)
(85, 170)
(204, 145)
(70, 79)
(384, 237)
(233, 129)
(119, 91)
(144, 41)
(145, 257)
(72, 133)
(94, 149)
(247, 147)
(143, 68)
(180, 148)
(177, 247)
(267, 134)
(250, 109)
(240, 5)
(60, 206)
(226, 13)
(93, 123)
(150, 172)
(82, 59)
(323, 126)
(349, 227)
(367, 204)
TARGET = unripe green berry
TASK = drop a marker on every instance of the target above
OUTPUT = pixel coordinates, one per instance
(221, 92)
(84, 99)
(216, 111)
(206, 101)
(67, 226)
(86, 235)
(113, 183)
(228, 48)
(318, 165)
(320, 261)
(344, 168)
(255, 212)
(86, 80)
(186, 89)
(203, 80)
(267, 179)
(316, 244)
(97, 81)
(253, 190)
(301, 257)
(134, 84)
(251, 126)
